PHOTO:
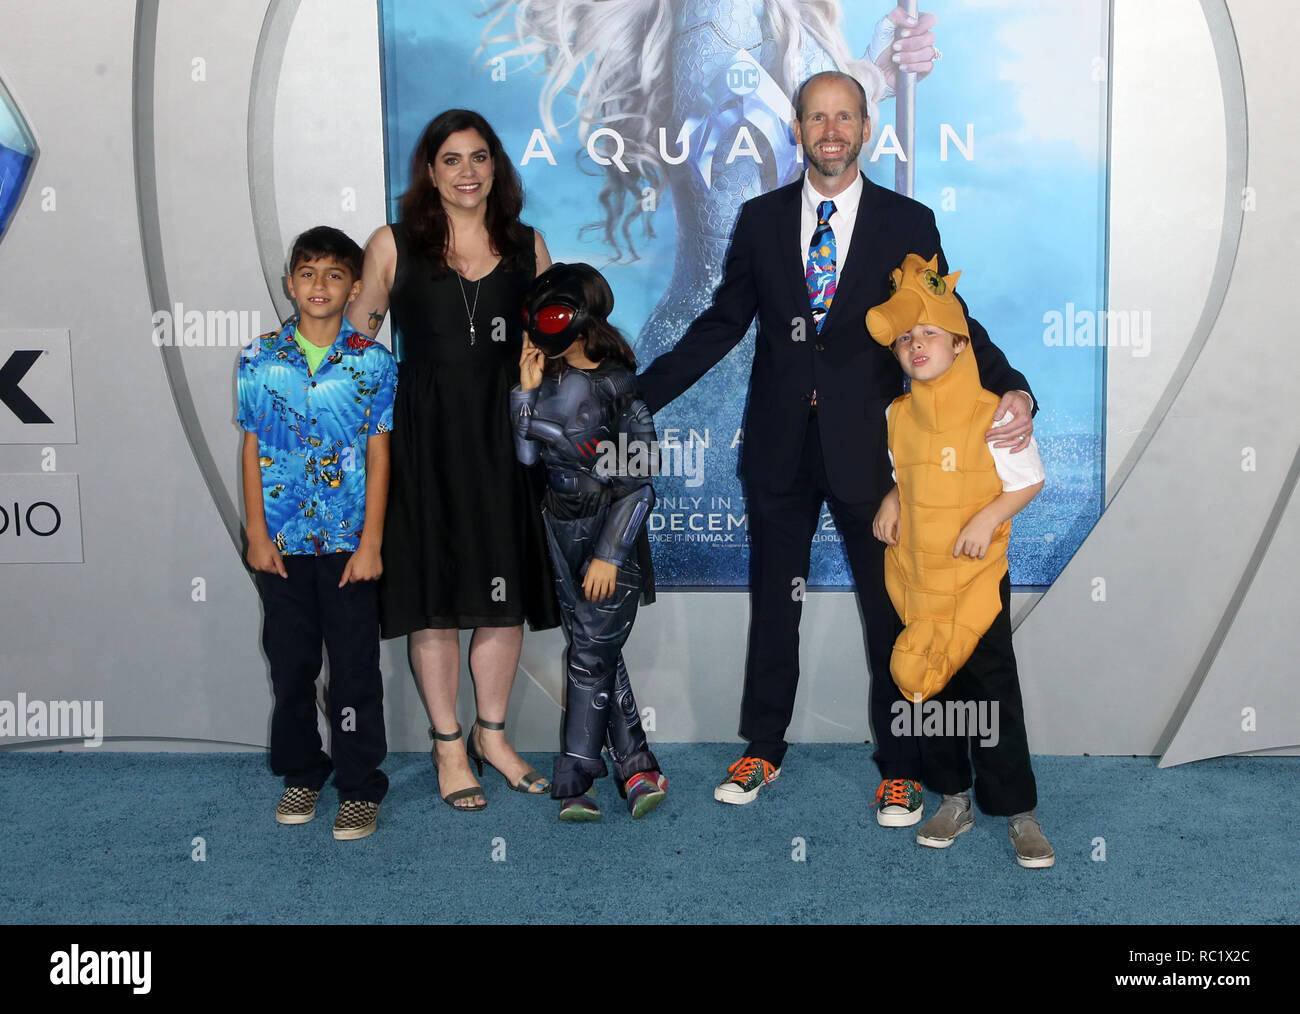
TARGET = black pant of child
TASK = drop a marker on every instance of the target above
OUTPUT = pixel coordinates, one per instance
(1004, 779)
(600, 711)
(301, 611)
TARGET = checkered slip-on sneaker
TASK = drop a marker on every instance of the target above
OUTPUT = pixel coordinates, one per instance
(357, 818)
(297, 805)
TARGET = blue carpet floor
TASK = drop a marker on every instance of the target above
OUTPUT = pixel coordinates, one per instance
(108, 838)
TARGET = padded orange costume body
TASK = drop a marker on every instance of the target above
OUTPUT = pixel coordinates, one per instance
(946, 475)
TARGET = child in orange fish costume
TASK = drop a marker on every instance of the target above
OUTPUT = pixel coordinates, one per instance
(947, 523)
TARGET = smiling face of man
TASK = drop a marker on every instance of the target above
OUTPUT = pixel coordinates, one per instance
(832, 129)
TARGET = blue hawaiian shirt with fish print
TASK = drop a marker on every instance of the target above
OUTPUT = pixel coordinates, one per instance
(311, 434)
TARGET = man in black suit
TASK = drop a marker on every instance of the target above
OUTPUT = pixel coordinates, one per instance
(814, 428)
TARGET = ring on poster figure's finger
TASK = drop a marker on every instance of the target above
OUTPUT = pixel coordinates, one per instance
(937, 55)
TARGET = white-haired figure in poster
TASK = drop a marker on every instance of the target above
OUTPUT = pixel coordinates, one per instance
(669, 76)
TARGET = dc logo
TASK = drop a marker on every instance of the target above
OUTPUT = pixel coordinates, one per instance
(742, 77)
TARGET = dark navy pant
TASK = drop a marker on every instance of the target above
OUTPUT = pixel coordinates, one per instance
(302, 612)
(781, 529)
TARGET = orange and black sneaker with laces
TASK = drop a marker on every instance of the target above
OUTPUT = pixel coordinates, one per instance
(744, 779)
(900, 803)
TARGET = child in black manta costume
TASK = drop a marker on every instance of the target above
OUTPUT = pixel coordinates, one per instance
(576, 409)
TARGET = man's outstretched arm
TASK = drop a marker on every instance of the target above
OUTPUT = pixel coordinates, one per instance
(715, 332)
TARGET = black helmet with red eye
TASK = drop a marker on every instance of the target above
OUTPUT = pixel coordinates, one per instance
(555, 309)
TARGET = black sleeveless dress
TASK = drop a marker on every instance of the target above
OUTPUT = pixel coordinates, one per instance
(463, 540)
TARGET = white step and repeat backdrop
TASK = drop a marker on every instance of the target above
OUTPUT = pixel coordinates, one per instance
(1111, 178)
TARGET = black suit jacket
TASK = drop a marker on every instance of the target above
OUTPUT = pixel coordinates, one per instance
(855, 379)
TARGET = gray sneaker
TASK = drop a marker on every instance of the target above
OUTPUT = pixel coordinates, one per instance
(955, 816)
(1032, 850)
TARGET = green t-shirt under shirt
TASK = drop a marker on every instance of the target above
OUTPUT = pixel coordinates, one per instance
(315, 354)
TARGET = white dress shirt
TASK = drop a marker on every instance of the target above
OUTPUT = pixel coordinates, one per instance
(842, 219)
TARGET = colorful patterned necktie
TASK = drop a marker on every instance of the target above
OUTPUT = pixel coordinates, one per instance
(820, 273)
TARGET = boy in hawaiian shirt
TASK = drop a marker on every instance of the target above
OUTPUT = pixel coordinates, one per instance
(316, 407)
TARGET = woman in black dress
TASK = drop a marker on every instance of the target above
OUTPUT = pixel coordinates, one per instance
(463, 544)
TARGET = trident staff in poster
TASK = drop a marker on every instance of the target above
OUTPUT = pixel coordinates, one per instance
(905, 118)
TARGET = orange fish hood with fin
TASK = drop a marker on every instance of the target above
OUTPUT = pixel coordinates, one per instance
(945, 476)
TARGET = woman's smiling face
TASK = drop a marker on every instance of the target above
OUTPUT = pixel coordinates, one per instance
(462, 170)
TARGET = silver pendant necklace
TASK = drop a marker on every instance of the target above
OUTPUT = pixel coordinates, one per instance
(469, 312)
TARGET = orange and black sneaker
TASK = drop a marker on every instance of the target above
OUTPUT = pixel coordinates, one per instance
(900, 803)
(744, 779)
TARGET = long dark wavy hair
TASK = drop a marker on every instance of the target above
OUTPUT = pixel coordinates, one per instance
(422, 213)
(602, 340)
